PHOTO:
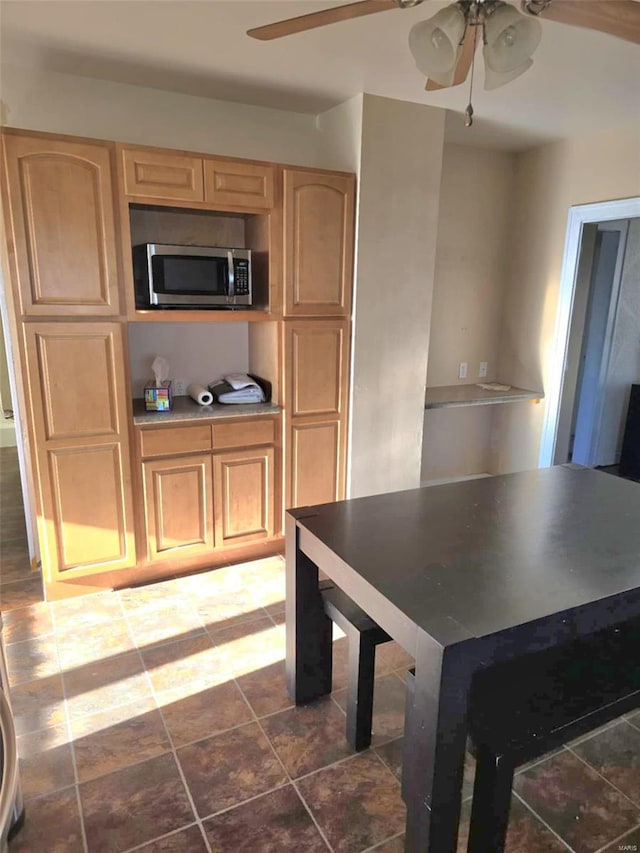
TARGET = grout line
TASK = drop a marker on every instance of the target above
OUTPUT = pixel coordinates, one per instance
(286, 772)
(162, 837)
(535, 762)
(379, 844)
(609, 844)
(174, 753)
(604, 778)
(543, 822)
(70, 737)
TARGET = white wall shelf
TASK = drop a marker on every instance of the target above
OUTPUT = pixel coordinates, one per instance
(447, 396)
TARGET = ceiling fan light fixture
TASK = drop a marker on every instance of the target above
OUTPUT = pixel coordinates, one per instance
(510, 39)
(435, 44)
(495, 79)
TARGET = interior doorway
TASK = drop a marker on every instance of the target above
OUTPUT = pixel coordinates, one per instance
(595, 392)
(596, 336)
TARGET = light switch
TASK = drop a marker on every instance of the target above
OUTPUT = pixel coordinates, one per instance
(462, 370)
(484, 369)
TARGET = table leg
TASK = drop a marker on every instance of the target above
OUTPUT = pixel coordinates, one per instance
(434, 748)
(309, 629)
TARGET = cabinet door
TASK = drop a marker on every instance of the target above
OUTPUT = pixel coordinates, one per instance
(61, 213)
(244, 486)
(162, 175)
(316, 467)
(316, 365)
(178, 507)
(318, 243)
(78, 417)
(236, 184)
(316, 384)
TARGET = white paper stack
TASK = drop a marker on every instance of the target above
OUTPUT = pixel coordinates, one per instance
(237, 388)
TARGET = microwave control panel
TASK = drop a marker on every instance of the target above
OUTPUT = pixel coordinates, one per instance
(241, 284)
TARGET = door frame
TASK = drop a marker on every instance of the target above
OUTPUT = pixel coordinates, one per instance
(578, 217)
(595, 421)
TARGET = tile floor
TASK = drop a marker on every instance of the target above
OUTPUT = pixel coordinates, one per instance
(156, 719)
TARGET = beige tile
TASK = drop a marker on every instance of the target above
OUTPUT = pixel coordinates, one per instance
(164, 624)
(192, 713)
(77, 647)
(193, 660)
(251, 646)
(32, 659)
(107, 684)
(26, 623)
(46, 762)
(38, 704)
(113, 739)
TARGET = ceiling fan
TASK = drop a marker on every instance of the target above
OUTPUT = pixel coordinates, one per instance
(444, 46)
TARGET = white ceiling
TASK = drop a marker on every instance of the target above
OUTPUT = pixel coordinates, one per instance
(581, 81)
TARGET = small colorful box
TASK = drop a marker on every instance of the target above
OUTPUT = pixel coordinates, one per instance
(157, 398)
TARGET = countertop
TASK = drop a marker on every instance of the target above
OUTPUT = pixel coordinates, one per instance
(185, 409)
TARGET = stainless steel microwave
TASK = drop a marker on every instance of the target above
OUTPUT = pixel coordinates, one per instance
(191, 276)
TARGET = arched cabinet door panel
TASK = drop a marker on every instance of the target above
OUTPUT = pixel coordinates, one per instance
(61, 215)
(77, 414)
(318, 243)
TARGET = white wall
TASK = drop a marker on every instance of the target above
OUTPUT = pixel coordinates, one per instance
(196, 352)
(476, 201)
(548, 181)
(62, 103)
(399, 188)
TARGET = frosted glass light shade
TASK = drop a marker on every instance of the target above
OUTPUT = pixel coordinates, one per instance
(435, 44)
(495, 79)
(511, 39)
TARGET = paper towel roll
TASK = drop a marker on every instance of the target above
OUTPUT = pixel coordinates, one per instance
(200, 394)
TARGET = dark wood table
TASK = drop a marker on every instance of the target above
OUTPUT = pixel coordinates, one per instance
(462, 576)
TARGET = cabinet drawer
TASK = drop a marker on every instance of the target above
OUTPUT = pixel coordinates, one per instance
(170, 441)
(238, 184)
(163, 176)
(243, 434)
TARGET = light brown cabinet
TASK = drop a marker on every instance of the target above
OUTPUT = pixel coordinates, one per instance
(318, 213)
(197, 502)
(215, 182)
(230, 183)
(244, 486)
(200, 489)
(79, 423)
(162, 175)
(61, 218)
(178, 502)
(315, 463)
(316, 374)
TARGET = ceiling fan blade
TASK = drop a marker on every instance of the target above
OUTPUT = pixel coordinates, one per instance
(620, 18)
(463, 65)
(321, 19)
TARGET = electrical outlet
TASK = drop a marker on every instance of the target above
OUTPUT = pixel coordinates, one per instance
(484, 369)
(179, 387)
(462, 370)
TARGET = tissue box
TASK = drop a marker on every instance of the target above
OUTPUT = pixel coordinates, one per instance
(157, 398)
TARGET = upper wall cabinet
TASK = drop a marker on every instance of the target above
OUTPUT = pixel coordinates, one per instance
(61, 226)
(230, 183)
(318, 243)
(162, 175)
(212, 182)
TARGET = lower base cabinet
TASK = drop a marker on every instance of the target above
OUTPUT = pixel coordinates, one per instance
(196, 503)
(244, 489)
(178, 501)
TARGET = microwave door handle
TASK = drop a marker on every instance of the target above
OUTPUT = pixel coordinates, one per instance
(232, 271)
